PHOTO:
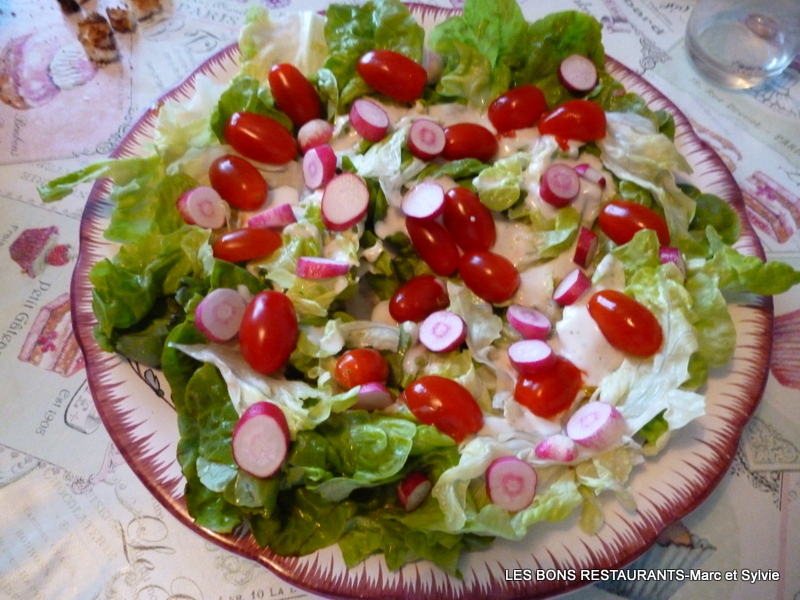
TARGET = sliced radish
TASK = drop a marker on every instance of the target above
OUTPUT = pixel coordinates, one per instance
(424, 201)
(369, 119)
(433, 63)
(319, 166)
(314, 133)
(218, 316)
(413, 490)
(511, 483)
(315, 267)
(571, 287)
(529, 322)
(426, 139)
(596, 425)
(671, 254)
(344, 202)
(589, 173)
(577, 73)
(442, 331)
(560, 185)
(557, 447)
(275, 217)
(261, 439)
(529, 357)
(202, 206)
(585, 248)
(373, 396)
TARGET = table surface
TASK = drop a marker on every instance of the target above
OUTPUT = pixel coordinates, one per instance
(76, 521)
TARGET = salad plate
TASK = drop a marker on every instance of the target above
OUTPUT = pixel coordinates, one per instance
(134, 404)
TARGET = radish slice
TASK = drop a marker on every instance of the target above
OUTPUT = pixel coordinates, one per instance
(344, 202)
(424, 201)
(589, 173)
(529, 357)
(671, 254)
(275, 217)
(202, 206)
(218, 316)
(314, 133)
(426, 139)
(442, 331)
(369, 120)
(261, 439)
(585, 248)
(571, 287)
(413, 490)
(596, 425)
(560, 185)
(529, 322)
(373, 396)
(319, 166)
(433, 63)
(577, 73)
(557, 447)
(511, 483)
(315, 267)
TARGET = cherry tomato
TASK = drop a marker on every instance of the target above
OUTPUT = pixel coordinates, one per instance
(581, 120)
(445, 404)
(434, 244)
(417, 298)
(294, 94)
(518, 108)
(491, 276)
(359, 366)
(238, 182)
(260, 138)
(269, 331)
(620, 220)
(469, 140)
(468, 220)
(248, 243)
(393, 74)
(627, 325)
(551, 391)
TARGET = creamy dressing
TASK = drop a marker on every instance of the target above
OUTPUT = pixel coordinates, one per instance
(579, 339)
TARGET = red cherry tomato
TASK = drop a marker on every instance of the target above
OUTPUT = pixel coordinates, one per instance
(491, 276)
(620, 220)
(260, 138)
(393, 74)
(434, 244)
(468, 220)
(518, 108)
(359, 366)
(269, 331)
(248, 243)
(294, 94)
(551, 391)
(469, 140)
(627, 325)
(238, 182)
(417, 298)
(445, 404)
(581, 120)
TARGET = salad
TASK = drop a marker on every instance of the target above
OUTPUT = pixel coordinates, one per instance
(413, 292)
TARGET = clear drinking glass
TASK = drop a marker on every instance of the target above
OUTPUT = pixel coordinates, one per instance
(740, 43)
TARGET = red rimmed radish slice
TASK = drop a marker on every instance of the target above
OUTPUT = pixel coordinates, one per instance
(433, 63)
(202, 206)
(261, 439)
(314, 133)
(413, 490)
(373, 396)
(511, 483)
(557, 447)
(560, 185)
(585, 248)
(589, 173)
(344, 202)
(529, 322)
(424, 201)
(275, 217)
(572, 287)
(219, 315)
(577, 73)
(529, 357)
(369, 119)
(442, 331)
(671, 254)
(426, 139)
(596, 425)
(315, 267)
(319, 166)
